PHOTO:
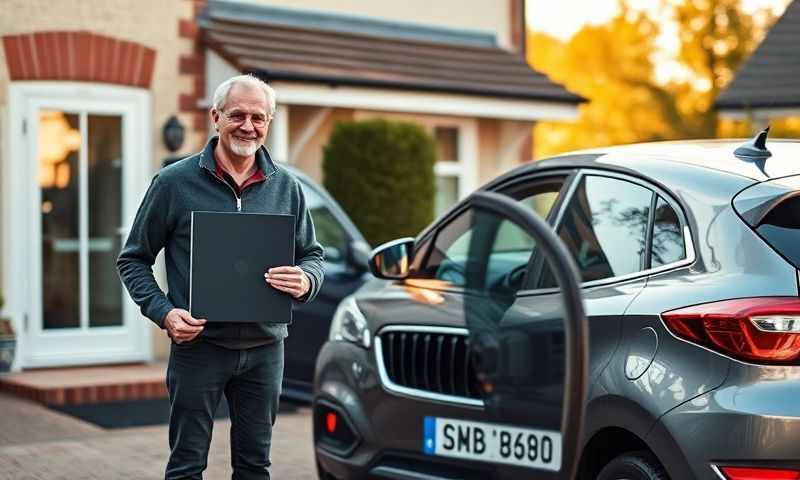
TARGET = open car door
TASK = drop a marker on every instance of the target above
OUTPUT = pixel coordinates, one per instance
(529, 355)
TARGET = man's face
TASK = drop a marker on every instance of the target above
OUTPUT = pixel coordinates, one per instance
(243, 122)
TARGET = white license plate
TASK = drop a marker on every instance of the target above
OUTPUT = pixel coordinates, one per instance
(490, 442)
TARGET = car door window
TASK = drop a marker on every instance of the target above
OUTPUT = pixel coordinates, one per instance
(512, 248)
(667, 245)
(604, 227)
(330, 233)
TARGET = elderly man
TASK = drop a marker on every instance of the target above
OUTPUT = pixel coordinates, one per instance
(243, 361)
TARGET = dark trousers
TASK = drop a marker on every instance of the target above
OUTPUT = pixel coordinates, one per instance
(197, 376)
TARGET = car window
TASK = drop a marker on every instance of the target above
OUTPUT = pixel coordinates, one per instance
(330, 233)
(539, 196)
(667, 245)
(512, 248)
(781, 229)
(604, 228)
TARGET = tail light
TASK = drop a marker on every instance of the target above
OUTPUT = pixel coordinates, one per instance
(760, 330)
(748, 473)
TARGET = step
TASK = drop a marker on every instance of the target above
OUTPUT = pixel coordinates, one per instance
(88, 385)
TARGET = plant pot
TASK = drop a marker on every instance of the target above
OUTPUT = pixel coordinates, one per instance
(7, 346)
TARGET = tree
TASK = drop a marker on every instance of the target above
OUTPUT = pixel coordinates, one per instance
(612, 66)
(716, 37)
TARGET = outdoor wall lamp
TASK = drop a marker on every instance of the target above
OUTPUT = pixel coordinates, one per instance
(173, 133)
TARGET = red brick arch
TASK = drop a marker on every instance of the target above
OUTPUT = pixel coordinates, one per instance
(78, 56)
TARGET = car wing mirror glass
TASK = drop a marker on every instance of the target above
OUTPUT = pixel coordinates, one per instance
(528, 354)
(392, 260)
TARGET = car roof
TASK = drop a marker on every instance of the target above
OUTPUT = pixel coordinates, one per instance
(711, 154)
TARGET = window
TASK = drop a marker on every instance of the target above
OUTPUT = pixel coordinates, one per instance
(447, 168)
(667, 246)
(604, 228)
(446, 193)
(512, 248)
(446, 144)
(781, 229)
(330, 232)
(449, 256)
(539, 196)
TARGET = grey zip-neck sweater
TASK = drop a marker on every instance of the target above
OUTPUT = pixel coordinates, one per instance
(164, 221)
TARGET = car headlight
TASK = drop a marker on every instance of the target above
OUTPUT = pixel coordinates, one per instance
(349, 324)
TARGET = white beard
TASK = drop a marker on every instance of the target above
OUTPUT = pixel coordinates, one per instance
(243, 149)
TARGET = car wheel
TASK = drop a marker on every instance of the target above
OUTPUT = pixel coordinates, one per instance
(634, 466)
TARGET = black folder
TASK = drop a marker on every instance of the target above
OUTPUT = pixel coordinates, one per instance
(229, 255)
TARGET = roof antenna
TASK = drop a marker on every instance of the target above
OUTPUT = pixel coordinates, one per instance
(755, 149)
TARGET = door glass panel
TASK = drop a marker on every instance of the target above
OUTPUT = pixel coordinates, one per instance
(539, 196)
(507, 261)
(105, 219)
(604, 228)
(59, 143)
(447, 260)
(668, 244)
(517, 349)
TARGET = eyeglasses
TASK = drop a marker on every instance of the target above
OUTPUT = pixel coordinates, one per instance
(236, 117)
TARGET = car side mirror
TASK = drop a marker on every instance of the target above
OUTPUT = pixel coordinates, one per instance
(392, 259)
(358, 255)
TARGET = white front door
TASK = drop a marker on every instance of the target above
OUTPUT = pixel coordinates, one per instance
(85, 154)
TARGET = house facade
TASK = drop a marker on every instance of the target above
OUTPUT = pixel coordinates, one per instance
(90, 91)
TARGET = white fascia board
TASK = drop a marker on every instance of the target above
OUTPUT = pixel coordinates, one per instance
(421, 102)
(771, 112)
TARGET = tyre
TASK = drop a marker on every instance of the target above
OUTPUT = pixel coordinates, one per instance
(634, 466)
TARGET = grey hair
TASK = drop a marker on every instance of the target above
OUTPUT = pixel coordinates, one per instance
(224, 88)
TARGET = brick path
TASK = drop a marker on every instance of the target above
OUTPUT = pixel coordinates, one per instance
(40, 444)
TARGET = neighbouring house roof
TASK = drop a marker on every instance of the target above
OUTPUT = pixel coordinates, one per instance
(298, 45)
(771, 76)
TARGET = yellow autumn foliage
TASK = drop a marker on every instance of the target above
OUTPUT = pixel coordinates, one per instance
(612, 66)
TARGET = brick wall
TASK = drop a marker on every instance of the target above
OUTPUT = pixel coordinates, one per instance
(78, 56)
(194, 64)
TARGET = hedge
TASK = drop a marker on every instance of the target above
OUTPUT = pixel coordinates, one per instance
(381, 172)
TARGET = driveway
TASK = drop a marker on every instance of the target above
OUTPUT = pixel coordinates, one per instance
(39, 444)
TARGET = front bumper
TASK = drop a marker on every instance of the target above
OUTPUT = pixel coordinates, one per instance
(389, 427)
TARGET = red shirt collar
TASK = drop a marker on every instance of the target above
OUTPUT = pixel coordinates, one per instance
(257, 176)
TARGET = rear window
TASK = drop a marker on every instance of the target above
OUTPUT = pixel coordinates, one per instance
(781, 229)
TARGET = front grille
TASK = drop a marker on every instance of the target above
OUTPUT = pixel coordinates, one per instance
(429, 361)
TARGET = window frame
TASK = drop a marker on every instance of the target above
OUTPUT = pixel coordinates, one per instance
(646, 270)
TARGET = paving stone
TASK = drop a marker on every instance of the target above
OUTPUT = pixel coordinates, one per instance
(39, 444)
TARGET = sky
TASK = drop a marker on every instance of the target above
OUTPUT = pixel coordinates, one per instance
(565, 17)
(568, 16)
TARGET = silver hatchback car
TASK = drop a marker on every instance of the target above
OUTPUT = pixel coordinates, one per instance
(689, 256)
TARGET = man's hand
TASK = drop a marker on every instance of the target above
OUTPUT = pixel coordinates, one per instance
(181, 326)
(292, 280)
